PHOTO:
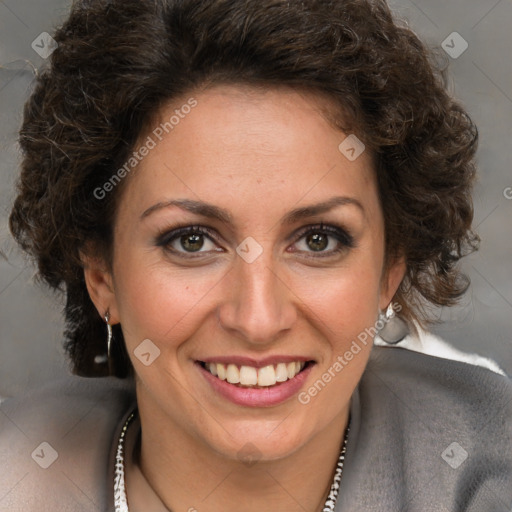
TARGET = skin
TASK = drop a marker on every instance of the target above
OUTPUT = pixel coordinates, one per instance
(258, 155)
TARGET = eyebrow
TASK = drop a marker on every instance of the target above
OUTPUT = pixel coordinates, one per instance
(319, 208)
(208, 210)
(197, 207)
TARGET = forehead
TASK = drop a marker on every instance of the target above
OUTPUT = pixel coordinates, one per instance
(240, 145)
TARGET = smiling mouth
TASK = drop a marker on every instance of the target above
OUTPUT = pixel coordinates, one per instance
(251, 377)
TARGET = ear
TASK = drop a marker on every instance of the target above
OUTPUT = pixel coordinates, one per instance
(100, 285)
(391, 279)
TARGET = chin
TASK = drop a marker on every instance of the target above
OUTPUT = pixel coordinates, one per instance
(259, 441)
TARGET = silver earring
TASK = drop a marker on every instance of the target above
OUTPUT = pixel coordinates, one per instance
(390, 312)
(109, 341)
(395, 329)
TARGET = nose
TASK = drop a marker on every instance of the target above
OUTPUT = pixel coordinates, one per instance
(260, 306)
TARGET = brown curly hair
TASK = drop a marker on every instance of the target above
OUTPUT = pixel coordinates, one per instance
(119, 61)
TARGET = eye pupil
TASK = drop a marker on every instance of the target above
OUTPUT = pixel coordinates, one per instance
(192, 243)
(317, 241)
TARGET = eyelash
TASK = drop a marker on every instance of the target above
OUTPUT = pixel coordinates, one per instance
(345, 240)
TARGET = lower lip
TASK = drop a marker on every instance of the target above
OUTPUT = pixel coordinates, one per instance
(258, 397)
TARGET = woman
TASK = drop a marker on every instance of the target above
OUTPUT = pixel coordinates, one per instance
(235, 197)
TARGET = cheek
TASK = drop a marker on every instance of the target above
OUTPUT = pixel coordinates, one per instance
(344, 314)
(345, 301)
(158, 303)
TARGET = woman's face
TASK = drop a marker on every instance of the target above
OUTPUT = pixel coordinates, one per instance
(279, 260)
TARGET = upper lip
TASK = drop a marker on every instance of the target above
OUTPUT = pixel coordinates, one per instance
(256, 363)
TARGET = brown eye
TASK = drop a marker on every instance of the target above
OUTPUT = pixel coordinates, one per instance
(188, 240)
(323, 240)
(192, 243)
(317, 241)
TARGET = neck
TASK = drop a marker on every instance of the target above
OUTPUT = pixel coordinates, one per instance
(187, 475)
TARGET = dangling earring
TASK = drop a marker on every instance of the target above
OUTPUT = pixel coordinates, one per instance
(109, 342)
(395, 329)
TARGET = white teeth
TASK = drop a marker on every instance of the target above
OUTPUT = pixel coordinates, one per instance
(232, 374)
(266, 376)
(221, 371)
(281, 373)
(249, 376)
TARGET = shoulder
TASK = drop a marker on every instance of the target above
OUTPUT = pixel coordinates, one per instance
(450, 378)
(430, 434)
(455, 388)
(469, 403)
(57, 442)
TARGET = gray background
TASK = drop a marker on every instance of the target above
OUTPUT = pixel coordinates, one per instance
(30, 317)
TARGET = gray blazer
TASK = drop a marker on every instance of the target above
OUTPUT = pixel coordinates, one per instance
(427, 434)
